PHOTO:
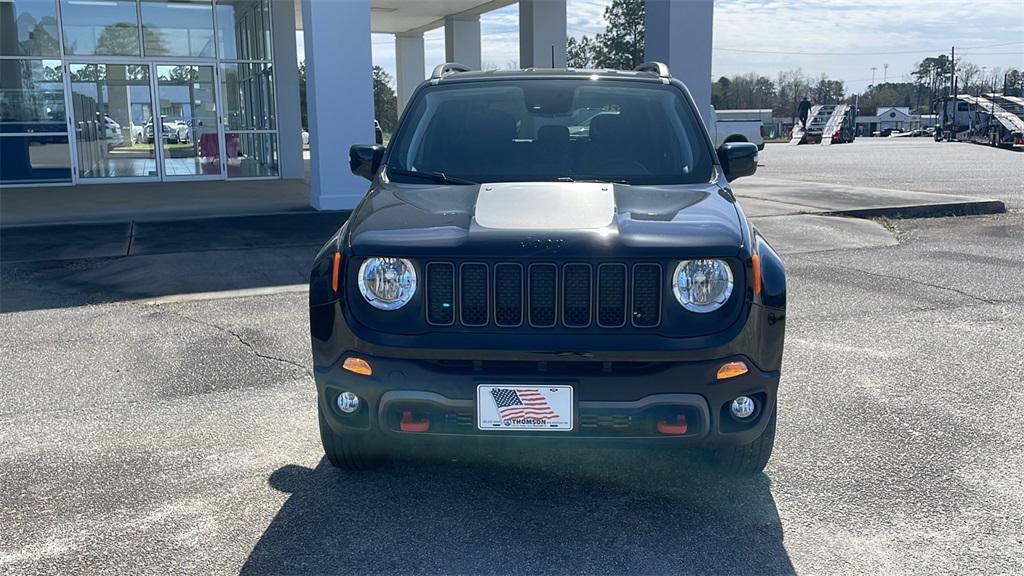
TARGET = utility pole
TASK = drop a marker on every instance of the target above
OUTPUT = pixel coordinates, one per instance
(952, 71)
(885, 73)
(873, 68)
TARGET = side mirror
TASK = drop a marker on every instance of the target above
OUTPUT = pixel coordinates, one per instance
(365, 159)
(738, 159)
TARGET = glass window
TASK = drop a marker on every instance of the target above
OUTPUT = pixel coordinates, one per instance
(106, 27)
(32, 96)
(251, 155)
(544, 130)
(178, 28)
(248, 96)
(188, 114)
(28, 28)
(244, 29)
(34, 158)
(112, 103)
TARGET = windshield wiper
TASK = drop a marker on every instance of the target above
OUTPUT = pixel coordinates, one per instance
(438, 177)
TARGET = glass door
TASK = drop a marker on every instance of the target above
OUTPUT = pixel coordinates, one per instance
(189, 127)
(113, 122)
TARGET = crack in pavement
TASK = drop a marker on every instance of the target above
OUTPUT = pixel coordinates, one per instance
(242, 341)
(912, 281)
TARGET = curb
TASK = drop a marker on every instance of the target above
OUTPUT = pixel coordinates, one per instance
(971, 208)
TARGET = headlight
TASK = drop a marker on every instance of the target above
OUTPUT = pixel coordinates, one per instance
(702, 285)
(387, 283)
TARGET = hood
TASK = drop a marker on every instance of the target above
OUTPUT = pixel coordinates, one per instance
(546, 220)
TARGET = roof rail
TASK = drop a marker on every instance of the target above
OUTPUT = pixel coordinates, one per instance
(658, 68)
(442, 70)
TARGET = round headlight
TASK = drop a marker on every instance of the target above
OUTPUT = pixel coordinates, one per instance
(387, 283)
(702, 285)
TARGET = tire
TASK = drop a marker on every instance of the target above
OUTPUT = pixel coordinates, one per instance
(348, 452)
(746, 459)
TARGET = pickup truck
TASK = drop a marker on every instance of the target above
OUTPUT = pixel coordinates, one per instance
(728, 131)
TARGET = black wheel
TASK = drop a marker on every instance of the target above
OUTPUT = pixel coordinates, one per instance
(746, 458)
(348, 452)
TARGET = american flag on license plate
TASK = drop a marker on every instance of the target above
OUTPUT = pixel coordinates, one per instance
(522, 403)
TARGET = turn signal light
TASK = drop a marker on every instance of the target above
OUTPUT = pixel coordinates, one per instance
(335, 272)
(732, 370)
(357, 366)
(757, 273)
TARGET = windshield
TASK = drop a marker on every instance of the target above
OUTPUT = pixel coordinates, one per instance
(547, 130)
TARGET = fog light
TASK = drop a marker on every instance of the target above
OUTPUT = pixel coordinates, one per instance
(348, 402)
(742, 407)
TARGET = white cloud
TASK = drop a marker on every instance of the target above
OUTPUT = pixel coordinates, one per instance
(801, 29)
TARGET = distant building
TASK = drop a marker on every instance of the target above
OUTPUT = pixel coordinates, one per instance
(887, 119)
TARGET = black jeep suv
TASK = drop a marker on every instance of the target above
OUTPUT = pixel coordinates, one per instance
(549, 254)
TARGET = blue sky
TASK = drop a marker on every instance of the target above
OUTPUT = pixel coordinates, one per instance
(842, 38)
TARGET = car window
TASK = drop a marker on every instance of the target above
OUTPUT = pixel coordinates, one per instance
(546, 129)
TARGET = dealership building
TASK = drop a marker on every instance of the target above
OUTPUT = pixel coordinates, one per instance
(111, 94)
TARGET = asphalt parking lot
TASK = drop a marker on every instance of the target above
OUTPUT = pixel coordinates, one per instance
(178, 434)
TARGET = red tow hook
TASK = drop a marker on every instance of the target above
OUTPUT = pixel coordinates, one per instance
(410, 425)
(677, 429)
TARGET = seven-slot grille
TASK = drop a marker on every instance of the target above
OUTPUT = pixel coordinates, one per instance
(543, 295)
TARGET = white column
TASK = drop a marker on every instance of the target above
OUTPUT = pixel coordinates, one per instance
(286, 80)
(409, 62)
(462, 40)
(678, 33)
(542, 33)
(338, 78)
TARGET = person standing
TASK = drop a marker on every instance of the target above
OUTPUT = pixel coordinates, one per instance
(804, 110)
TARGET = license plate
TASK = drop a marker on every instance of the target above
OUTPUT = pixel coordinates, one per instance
(508, 407)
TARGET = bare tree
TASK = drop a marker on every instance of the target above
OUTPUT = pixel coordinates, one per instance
(967, 74)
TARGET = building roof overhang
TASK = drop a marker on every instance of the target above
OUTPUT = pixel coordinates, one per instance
(404, 17)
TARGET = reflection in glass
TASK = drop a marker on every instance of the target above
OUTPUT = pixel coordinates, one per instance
(244, 29)
(28, 28)
(251, 155)
(248, 91)
(113, 110)
(107, 27)
(179, 28)
(32, 96)
(188, 112)
(34, 159)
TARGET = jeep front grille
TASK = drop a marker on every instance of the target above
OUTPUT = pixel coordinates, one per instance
(543, 295)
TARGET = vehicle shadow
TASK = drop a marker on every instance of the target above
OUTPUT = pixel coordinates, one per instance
(540, 512)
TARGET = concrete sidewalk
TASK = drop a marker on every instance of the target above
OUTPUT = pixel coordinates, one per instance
(776, 197)
(135, 238)
(149, 201)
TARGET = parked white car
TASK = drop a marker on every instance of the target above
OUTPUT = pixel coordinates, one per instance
(112, 132)
(723, 131)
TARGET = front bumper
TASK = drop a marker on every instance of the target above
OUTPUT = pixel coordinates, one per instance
(614, 401)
